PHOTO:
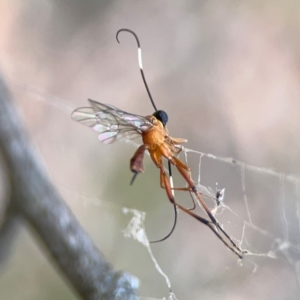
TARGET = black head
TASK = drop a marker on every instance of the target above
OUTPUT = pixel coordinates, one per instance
(161, 116)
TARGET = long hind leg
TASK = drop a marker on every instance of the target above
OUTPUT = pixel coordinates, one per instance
(212, 225)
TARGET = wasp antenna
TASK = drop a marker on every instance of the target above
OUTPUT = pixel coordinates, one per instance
(140, 61)
(164, 123)
(171, 177)
(170, 233)
(175, 209)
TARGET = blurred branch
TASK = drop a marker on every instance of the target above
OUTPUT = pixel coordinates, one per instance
(8, 233)
(38, 202)
(10, 220)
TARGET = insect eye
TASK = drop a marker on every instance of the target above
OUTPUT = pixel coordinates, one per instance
(161, 116)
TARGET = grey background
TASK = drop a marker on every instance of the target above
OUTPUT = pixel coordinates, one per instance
(226, 72)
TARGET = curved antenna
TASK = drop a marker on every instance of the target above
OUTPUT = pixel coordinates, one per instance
(140, 61)
(154, 106)
(169, 234)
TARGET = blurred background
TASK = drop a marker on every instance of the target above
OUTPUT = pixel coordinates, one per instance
(227, 73)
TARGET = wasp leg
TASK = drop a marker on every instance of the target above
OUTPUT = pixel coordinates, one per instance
(185, 172)
(136, 162)
(231, 245)
(186, 189)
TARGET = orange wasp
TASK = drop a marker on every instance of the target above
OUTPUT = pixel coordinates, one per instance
(112, 124)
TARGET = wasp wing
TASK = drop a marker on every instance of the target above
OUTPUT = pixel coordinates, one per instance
(111, 122)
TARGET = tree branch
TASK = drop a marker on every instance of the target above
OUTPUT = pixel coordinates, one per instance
(38, 202)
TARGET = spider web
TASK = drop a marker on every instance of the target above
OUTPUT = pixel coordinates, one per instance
(260, 210)
(283, 243)
(242, 59)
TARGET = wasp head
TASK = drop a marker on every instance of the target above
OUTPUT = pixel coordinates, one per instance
(161, 116)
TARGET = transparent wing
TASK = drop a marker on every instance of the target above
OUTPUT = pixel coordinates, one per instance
(111, 122)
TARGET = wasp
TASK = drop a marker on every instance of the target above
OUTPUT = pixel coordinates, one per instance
(113, 124)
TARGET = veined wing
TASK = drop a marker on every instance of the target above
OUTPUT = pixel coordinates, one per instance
(111, 122)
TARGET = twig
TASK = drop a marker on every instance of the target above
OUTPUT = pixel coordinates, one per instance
(8, 232)
(38, 202)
